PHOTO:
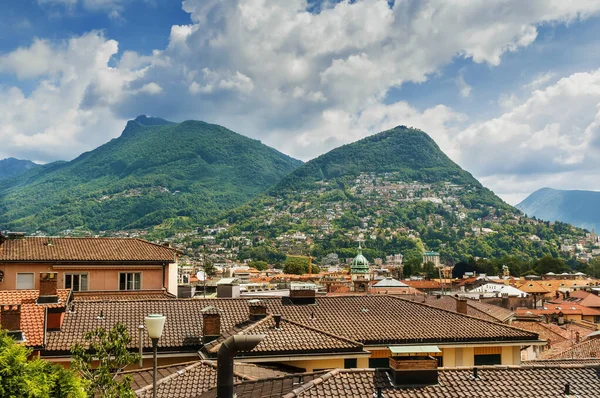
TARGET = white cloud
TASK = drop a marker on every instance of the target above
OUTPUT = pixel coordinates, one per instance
(300, 81)
(151, 88)
(463, 86)
(68, 112)
(551, 139)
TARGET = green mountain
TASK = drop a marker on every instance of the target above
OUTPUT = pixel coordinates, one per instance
(11, 167)
(156, 173)
(397, 192)
(579, 208)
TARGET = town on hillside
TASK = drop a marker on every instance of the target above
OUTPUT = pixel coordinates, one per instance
(336, 321)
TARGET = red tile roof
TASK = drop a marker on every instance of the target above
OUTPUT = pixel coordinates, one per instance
(477, 309)
(290, 337)
(589, 348)
(31, 296)
(32, 249)
(505, 382)
(190, 381)
(376, 319)
(33, 316)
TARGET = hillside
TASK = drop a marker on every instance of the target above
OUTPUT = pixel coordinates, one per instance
(11, 167)
(156, 172)
(397, 192)
(580, 208)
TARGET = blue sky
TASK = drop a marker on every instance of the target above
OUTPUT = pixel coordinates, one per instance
(510, 90)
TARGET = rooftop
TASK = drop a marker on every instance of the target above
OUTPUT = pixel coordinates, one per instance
(499, 381)
(376, 319)
(35, 249)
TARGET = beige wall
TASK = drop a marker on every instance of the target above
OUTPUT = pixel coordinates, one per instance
(311, 365)
(98, 278)
(466, 356)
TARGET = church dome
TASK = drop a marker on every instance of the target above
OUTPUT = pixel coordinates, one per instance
(360, 265)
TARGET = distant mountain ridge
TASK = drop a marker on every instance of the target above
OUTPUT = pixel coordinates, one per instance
(156, 172)
(576, 207)
(11, 167)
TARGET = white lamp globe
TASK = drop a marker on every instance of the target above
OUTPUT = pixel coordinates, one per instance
(155, 324)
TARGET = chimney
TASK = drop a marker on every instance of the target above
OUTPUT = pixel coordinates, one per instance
(414, 369)
(2, 238)
(505, 302)
(577, 337)
(48, 283)
(277, 319)
(258, 309)
(301, 294)
(461, 306)
(211, 324)
(15, 235)
(10, 319)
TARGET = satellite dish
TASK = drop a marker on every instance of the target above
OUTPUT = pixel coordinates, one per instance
(200, 275)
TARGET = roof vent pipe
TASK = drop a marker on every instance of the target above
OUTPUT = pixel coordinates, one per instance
(225, 356)
(567, 388)
(277, 319)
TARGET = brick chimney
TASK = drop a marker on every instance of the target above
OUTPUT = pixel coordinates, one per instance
(413, 369)
(258, 309)
(505, 301)
(48, 284)
(301, 294)
(10, 317)
(211, 324)
(461, 306)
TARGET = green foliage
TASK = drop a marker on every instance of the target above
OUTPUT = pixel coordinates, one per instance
(102, 358)
(36, 378)
(170, 175)
(296, 265)
(408, 151)
(259, 265)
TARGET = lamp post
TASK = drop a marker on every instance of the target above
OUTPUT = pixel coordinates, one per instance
(155, 324)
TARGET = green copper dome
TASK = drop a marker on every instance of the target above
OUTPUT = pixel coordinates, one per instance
(360, 265)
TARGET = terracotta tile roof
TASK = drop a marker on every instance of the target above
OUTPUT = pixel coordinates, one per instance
(268, 388)
(84, 249)
(476, 309)
(33, 316)
(422, 284)
(505, 382)
(555, 362)
(581, 297)
(375, 319)
(533, 287)
(31, 296)
(290, 338)
(589, 348)
(190, 381)
(143, 377)
(566, 308)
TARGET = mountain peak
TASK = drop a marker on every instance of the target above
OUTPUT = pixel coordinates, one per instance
(152, 121)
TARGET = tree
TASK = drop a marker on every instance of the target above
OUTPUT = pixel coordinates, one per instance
(259, 265)
(107, 350)
(20, 377)
(429, 269)
(296, 265)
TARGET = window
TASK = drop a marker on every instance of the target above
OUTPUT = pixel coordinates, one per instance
(25, 281)
(375, 363)
(76, 282)
(488, 359)
(130, 281)
(350, 363)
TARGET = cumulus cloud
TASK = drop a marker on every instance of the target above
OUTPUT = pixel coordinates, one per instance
(551, 138)
(300, 80)
(68, 112)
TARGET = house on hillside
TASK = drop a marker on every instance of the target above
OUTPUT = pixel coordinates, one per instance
(88, 265)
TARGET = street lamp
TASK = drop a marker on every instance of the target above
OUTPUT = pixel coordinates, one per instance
(155, 324)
